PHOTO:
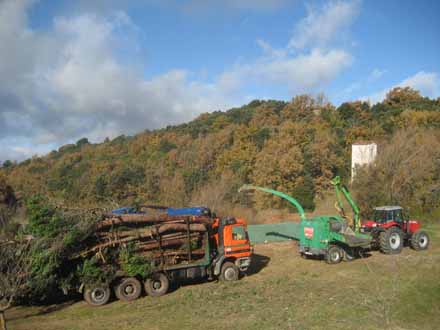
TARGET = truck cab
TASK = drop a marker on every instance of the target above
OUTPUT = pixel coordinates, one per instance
(233, 249)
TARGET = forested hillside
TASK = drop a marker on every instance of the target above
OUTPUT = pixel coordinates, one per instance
(295, 146)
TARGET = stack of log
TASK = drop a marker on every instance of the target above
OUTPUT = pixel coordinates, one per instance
(163, 238)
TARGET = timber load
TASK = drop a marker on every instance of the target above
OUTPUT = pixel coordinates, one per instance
(164, 239)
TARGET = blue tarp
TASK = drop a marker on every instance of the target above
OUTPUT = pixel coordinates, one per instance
(125, 210)
(188, 211)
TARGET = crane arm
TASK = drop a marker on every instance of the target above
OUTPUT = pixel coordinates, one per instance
(340, 188)
(291, 200)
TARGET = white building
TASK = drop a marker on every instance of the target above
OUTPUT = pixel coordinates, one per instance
(362, 153)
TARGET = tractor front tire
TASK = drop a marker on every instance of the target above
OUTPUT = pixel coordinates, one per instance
(97, 295)
(334, 255)
(420, 240)
(157, 285)
(391, 241)
(229, 272)
(128, 289)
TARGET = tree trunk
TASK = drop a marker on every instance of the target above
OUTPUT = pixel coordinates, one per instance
(2, 321)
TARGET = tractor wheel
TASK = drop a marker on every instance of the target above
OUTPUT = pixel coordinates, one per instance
(97, 295)
(391, 241)
(128, 289)
(229, 272)
(420, 240)
(157, 285)
(334, 255)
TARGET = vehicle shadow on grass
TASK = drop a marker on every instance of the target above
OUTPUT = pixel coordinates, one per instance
(258, 263)
(42, 309)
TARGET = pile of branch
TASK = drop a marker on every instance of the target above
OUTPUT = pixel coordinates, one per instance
(155, 235)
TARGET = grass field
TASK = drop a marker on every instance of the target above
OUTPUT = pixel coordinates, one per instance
(282, 291)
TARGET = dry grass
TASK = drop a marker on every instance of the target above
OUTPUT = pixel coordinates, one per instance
(283, 291)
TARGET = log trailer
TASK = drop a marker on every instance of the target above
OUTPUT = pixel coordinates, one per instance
(180, 246)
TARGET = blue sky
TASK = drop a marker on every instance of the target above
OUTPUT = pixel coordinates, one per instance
(104, 68)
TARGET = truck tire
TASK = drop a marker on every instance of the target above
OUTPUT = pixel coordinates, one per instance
(128, 289)
(391, 241)
(334, 255)
(420, 240)
(229, 272)
(157, 285)
(97, 295)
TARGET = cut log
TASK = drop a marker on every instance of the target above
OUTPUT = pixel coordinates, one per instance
(115, 220)
(179, 227)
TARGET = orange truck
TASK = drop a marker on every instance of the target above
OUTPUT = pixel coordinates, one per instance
(226, 253)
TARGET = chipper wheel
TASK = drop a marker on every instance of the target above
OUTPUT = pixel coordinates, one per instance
(157, 285)
(128, 289)
(334, 254)
(229, 272)
(420, 240)
(97, 295)
(391, 241)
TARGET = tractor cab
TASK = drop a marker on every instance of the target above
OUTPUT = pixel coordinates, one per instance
(384, 214)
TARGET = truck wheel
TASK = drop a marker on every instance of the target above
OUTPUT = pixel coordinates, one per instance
(157, 285)
(97, 295)
(420, 240)
(334, 255)
(229, 272)
(391, 241)
(128, 289)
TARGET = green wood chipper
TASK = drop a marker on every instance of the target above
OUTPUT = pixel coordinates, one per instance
(333, 237)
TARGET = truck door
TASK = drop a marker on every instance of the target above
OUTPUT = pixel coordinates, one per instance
(236, 240)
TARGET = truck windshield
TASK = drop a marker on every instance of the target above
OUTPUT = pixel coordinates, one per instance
(238, 233)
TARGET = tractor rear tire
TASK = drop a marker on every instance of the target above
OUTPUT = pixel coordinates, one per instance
(97, 295)
(334, 255)
(391, 241)
(128, 289)
(157, 285)
(229, 272)
(420, 240)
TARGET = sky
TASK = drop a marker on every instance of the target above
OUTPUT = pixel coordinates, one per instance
(102, 68)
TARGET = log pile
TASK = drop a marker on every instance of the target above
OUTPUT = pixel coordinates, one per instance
(168, 240)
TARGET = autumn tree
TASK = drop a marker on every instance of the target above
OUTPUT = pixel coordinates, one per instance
(406, 172)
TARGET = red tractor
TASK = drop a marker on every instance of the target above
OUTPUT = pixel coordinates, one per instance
(391, 229)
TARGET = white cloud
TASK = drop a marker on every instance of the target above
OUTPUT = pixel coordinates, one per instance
(70, 81)
(323, 25)
(67, 83)
(427, 83)
(306, 71)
